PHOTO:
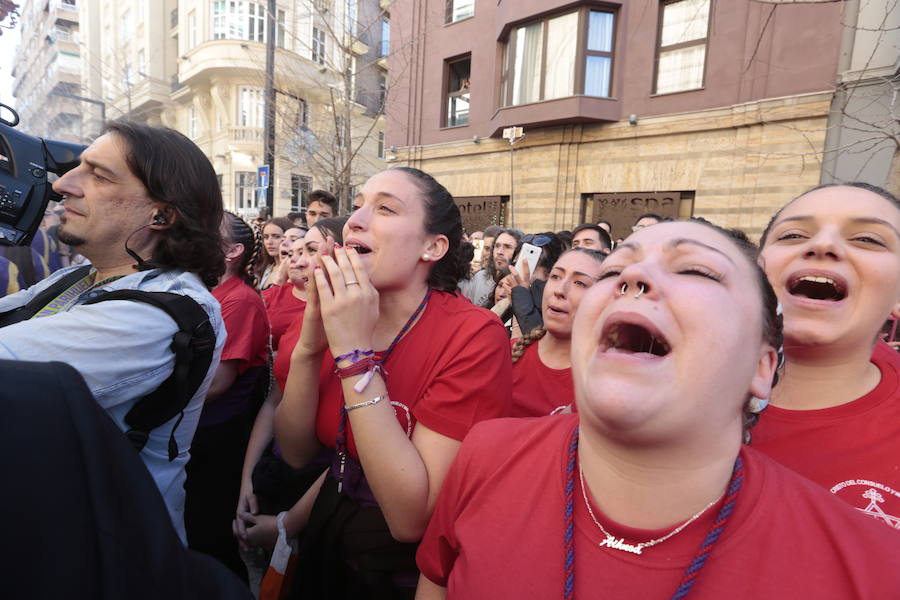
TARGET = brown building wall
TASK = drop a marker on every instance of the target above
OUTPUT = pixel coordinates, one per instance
(741, 163)
(742, 146)
(755, 51)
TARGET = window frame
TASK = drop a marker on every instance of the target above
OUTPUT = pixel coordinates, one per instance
(301, 185)
(449, 94)
(317, 47)
(448, 12)
(507, 67)
(681, 46)
(243, 177)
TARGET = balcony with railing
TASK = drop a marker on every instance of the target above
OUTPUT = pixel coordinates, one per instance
(247, 134)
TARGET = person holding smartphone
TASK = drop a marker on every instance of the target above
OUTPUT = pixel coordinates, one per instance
(526, 287)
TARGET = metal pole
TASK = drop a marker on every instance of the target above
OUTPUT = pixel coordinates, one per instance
(269, 124)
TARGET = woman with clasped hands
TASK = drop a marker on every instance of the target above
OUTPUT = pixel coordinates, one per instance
(392, 369)
(648, 492)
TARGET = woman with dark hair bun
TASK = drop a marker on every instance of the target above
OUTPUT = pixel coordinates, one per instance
(648, 492)
(214, 469)
(392, 369)
(833, 256)
(542, 366)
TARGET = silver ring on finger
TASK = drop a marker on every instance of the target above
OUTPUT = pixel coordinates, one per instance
(354, 282)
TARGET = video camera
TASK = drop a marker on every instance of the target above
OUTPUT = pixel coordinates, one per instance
(24, 190)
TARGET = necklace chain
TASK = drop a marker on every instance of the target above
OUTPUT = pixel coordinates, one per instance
(619, 543)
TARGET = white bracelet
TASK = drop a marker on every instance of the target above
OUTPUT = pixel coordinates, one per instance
(374, 400)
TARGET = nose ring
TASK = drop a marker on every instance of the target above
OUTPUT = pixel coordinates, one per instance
(623, 289)
(641, 289)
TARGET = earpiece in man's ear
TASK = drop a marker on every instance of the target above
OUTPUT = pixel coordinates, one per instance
(159, 219)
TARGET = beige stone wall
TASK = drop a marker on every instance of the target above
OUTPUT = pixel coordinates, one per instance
(743, 162)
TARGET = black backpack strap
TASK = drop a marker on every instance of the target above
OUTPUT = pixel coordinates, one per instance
(44, 297)
(193, 345)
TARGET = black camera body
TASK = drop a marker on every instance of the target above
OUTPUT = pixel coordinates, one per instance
(25, 161)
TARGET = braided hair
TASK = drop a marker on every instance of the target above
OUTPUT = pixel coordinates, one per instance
(521, 345)
(240, 232)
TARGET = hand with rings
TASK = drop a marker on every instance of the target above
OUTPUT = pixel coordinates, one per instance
(348, 301)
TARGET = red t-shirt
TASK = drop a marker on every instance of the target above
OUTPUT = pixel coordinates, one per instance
(285, 347)
(246, 324)
(853, 449)
(451, 370)
(283, 308)
(498, 532)
(539, 390)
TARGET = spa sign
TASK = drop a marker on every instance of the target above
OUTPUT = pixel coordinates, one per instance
(622, 209)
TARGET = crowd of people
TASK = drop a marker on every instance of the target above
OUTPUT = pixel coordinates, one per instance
(678, 412)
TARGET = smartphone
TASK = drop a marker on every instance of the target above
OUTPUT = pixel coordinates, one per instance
(528, 254)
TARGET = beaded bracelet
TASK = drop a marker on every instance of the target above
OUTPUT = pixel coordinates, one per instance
(355, 356)
(374, 400)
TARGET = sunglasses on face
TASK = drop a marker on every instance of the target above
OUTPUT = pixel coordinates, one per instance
(536, 240)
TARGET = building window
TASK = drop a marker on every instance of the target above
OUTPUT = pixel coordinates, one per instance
(340, 138)
(382, 90)
(681, 59)
(192, 29)
(141, 64)
(457, 10)
(245, 189)
(543, 60)
(301, 185)
(244, 20)
(318, 46)
(302, 120)
(350, 21)
(279, 30)
(192, 129)
(251, 107)
(458, 92)
(381, 145)
(126, 28)
(598, 54)
(384, 47)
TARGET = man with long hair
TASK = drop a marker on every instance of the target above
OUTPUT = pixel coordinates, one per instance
(145, 209)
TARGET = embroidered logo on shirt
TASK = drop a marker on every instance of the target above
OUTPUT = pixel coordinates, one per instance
(868, 497)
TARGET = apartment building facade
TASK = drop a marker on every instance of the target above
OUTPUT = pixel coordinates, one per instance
(48, 70)
(199, 66)
(616, 108)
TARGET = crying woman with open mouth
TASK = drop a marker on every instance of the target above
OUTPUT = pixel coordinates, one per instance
(833, 257)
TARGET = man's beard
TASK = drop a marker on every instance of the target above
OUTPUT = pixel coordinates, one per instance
(67, 238)
(495, 273)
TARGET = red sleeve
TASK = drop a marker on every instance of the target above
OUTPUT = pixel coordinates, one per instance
(247, 329)
(475, 384)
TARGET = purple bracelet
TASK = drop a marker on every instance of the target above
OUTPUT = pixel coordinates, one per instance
(355, 356)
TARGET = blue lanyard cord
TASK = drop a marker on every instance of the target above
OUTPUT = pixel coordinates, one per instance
(693, 570)
(340, 442)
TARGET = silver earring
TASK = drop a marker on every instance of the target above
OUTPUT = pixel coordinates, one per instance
(623, 289)
(757, 405)
(641, 289)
